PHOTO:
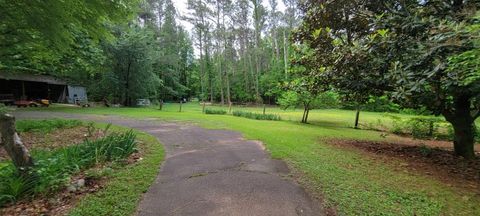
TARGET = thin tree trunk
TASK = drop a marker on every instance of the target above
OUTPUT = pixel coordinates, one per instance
(13, 145)
(257, 85)
(285, 55)
(229, 97)
(304, 113)
(306, 116)
(222, 96)
(275, 42)
(127, 85)
(357, 116)
(202, 68)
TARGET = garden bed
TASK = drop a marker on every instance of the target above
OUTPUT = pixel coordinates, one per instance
(429, 158)
(88, 178)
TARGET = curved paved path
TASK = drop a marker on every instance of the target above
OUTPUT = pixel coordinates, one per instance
(211, 172)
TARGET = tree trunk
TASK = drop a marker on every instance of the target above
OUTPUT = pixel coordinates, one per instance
(464, 139)
(464, 127)
(202, 68)
(304, 113)
(229, 97)
(357, 117)
(285, 55)
(306, 110)
(306, 116)
(13, 145)
(127, 85)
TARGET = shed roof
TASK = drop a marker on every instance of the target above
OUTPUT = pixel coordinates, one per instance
(31, 78)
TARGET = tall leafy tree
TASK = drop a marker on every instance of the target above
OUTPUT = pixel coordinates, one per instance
(131, 76)
(35, 34)
(411, 49)
(430, 50)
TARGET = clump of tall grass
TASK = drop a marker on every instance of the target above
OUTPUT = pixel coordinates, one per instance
(215, 112)
(52, 170)
(46, 126)
(257, 116)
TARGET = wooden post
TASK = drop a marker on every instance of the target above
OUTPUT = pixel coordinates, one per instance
(161, 105)
(230, 107)
(180, 110)
(14, 147)
(24, 96)
(264, 109)
(203, 108)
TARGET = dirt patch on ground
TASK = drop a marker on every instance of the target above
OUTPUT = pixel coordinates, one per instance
(443, 144)
(58, 203)
(61, 202)
(55, 139)
(438, 161)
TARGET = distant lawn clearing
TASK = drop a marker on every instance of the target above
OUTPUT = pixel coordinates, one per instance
(351, 182)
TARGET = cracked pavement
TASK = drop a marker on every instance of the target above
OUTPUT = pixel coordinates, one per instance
(211, 172)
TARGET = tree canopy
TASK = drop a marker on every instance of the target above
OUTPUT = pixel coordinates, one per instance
(34, 35)
(421, 53)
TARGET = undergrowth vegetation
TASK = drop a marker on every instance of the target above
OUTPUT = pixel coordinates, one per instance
(257, 116)
(53, 170)
(419, 127)
(215, 112)
(46, 126)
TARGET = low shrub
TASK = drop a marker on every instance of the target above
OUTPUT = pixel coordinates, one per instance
(3, 108)
(46, 126)
(257, 116)
(53, 170)
(215, 112)
(418, 127)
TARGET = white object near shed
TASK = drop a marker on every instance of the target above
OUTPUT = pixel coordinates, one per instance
(77, 94)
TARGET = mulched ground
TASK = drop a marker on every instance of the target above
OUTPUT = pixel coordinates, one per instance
(58, 203)
(430, 158)
(55, 139)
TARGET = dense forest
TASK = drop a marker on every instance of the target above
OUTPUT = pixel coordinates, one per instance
(124, 52)
(311, 54)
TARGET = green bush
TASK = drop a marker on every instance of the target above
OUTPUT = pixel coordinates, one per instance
(53, 170)
(215, 112)
(418, 127)
(257, 116)
(45, 126)
(3, 108)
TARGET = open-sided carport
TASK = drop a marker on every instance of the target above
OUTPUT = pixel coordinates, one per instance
(29, 87)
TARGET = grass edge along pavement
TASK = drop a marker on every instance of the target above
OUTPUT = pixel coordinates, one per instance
(125, 187)
(350, 182)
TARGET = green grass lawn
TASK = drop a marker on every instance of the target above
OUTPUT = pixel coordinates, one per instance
(350, 181)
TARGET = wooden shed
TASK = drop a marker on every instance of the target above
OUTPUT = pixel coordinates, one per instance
(22, 86)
